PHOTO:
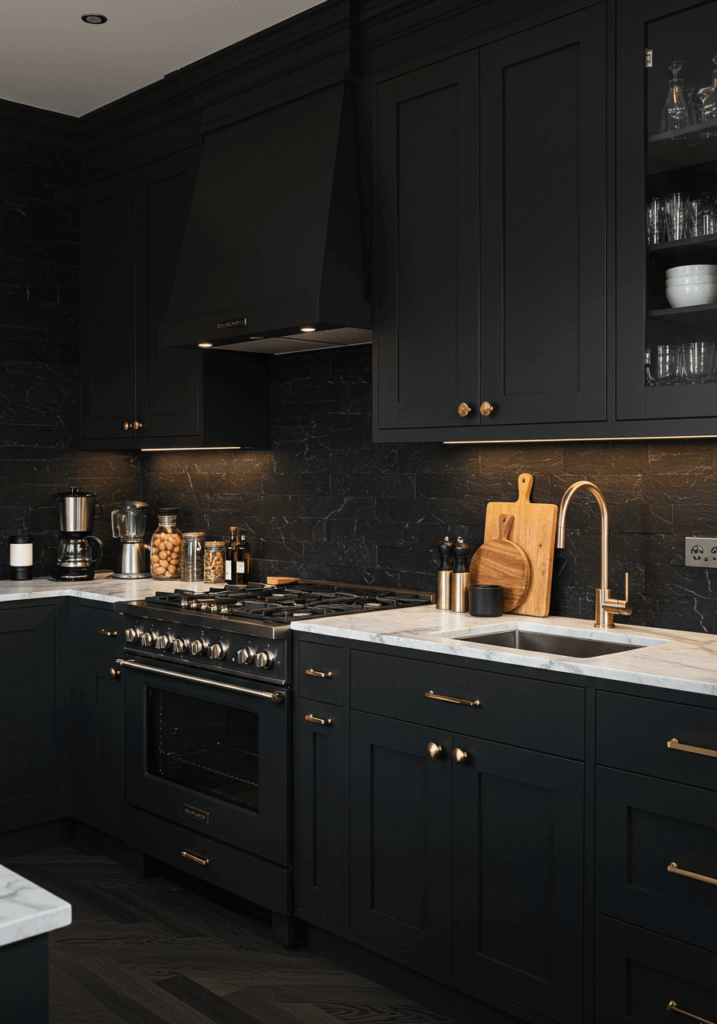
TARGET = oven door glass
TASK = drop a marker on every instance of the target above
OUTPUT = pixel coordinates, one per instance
(203, 746)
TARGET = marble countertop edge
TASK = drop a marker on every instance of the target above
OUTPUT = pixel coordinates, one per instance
(27, 910)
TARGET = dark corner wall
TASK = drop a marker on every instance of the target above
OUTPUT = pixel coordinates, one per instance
(39, 349)
(327, 503)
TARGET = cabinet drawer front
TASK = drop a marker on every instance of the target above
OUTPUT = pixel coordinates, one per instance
(644, 826)
(633, 733)
(524, 712)
(323, 672)
(100, 630)
(238, 872)
(638, 973)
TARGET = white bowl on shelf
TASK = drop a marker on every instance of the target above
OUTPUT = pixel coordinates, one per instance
(692, 294)
(692, 270)
(675, 282)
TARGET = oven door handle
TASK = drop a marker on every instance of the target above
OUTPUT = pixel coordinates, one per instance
(275, 696)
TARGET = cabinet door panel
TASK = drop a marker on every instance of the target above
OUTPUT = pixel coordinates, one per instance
(28, 762)
(99, 743)
(322, 831)
(427, 259)
(543, 222)
(401, 838)
(168, 380)
(108, 345)
(517, 883)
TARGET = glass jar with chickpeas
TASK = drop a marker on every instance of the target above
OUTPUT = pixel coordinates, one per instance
(165, 546)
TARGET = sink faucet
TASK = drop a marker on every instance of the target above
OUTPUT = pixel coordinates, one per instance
(606, 606)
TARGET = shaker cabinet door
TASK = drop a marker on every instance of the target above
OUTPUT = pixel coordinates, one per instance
(427, 245)
(543, 223)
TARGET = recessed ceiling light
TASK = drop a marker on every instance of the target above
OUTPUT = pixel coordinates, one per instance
(205, 344)
(94, 19)
(308, 330)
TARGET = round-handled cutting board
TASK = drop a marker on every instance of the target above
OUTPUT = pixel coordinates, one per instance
(503, 563)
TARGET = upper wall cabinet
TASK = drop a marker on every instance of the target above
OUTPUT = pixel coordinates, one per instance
(666, 213)
(133, 394)
(491, 247)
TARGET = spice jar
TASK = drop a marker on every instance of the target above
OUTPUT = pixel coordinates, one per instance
(192, 560)
(214, 561)
(165, 546)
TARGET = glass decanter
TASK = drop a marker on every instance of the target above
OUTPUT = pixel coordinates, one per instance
(708, 98)
(675, 114)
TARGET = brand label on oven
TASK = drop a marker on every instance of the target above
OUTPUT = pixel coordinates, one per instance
(197, 814)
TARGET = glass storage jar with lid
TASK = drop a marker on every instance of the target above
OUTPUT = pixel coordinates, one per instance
(166, 546)
(214, 561)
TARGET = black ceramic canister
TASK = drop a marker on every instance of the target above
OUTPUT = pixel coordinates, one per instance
(21, 557)
(485, 599)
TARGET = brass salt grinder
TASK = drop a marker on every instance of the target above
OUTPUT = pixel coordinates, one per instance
(443, 576)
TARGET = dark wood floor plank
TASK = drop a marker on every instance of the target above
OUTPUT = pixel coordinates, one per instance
(71, 1002)
(371, 1013)
(345, 990)
(212, 1006)
(262, 1011)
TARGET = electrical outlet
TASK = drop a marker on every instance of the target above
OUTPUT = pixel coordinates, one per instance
(701, 551)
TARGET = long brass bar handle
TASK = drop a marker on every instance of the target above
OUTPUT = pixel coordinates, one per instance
(675, 745)
(107, 632)
(672, 1005)
(674, 870)
(197, 860)
(318, 721)
(320, 675)
(452, 700)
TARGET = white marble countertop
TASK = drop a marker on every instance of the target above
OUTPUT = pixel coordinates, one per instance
(27, 910)
(672, 658)
(102, 588)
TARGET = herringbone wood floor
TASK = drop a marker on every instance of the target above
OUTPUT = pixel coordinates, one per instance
(147, 951)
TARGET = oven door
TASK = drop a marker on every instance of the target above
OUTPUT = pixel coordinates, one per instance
(209, 755)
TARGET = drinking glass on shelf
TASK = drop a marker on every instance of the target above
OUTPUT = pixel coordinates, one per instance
(698, 359)
(677, 216)
(649, 379)
(666, 364)
(674, 113)
(655, 221)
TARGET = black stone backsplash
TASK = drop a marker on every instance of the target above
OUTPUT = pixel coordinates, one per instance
(39, 353)
(328, 503)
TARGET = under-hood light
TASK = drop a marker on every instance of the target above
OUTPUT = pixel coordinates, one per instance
(205, 344)
(308, 330)
(218, 448)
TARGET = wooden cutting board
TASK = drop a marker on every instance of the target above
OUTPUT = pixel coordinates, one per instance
(503, 562)
(533, 530)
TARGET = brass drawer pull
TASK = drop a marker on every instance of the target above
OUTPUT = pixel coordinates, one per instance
(460, 756)
(126, 425)
(197, 860)
(452, 700)
(676, 745)
(435, 750)
(674, 870)
(107, 632)
(464, 409)
(486, 409)
(318, 721)
(114, 673)
(319, 675)
(672, 1005)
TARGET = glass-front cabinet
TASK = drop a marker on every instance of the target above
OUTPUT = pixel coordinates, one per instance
(666, 210)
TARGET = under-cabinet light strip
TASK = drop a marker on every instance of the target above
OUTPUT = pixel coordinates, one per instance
(218, 448)
(557, 440)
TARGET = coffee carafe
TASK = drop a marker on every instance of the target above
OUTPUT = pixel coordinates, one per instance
(79, 551)
(129, 521)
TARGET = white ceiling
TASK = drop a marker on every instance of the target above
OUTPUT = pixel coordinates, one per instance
(49, 58)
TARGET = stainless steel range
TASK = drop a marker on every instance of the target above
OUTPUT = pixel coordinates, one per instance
(208, 728)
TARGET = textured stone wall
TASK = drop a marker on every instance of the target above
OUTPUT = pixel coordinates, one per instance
(39, 351)
(328, 503)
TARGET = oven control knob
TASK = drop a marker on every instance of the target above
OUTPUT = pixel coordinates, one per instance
(147, 639)
(245, 656)
(132, 635)
(164, 641)
(198, 646)
(217, 651)
(264, 659)
(180, 646)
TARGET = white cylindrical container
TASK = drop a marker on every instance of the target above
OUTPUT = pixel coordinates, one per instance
(21, 557)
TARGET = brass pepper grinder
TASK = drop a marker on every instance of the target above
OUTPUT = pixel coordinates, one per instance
(460, 577)
(443, 576)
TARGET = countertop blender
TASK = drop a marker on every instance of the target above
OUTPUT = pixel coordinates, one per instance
(129, 522)
(79, 552)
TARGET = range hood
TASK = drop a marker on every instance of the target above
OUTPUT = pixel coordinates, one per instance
(273, 242)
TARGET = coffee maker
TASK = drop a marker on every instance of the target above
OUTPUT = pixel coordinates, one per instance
(76, 512)
(129, 521)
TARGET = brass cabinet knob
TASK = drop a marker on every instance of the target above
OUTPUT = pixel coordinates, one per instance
(114, 673)
(434, 750)
(126, 425)
(460, 756)
(136, 425)
(464, 409)
(486, 409)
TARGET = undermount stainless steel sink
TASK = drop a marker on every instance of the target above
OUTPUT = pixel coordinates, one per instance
(550, 643)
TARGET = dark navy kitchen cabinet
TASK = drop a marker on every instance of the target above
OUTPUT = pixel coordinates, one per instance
(29, 766)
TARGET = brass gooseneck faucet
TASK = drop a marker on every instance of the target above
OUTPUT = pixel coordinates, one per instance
(606, 606)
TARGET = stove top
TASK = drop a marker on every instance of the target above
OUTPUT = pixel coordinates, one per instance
(286, 602)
